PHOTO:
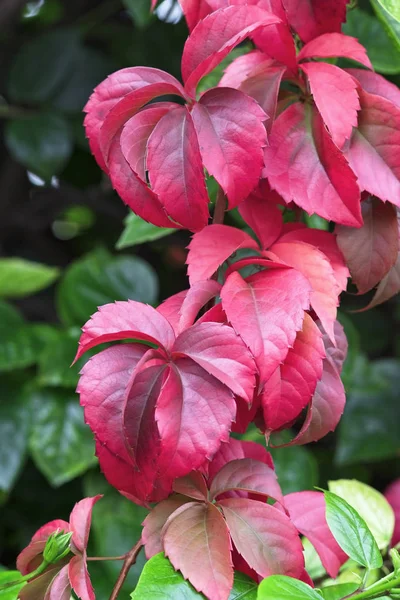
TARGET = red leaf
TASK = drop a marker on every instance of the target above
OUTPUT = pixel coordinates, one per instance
(307, 513)
(215, 36)
(264, 536)
(372, 250)
(293, 384)
(311, 18)
(196, 540)
(231, 135)
(388, 287)
(304, 165)
(376, 84)
(267, 310)
(155, 521)
(331, 45)
(315, 266)
(238, 449)
(124, 320)
(247, 475)
(374, 153)
(79, 578)
(60, 588)
(336, 97)
(193, 415)
(220, 352)
(80, 521)
(326, 243)
(262, 215)
(192, 486)
(26, 562)
(392, 495)
(242, 67)
(176, 171)
(181, 309)
(194, 11)
(110, 92)
(133, 191)
(213, 246)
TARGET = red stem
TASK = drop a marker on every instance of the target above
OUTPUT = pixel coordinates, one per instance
(130, 560)
(219, 210)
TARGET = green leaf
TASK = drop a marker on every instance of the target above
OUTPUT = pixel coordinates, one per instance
(7, 577)
(160, 581)
(139, 11)
(54, 364)
(15, 416)
(18, 348)
(391, 24)
(392, 7)
(351, 532)
(61, 444)
(98, 278)
(42, 143)
(137, 231)
(280, 587)
(382, 50)
(41, 67)
(370, 427)
(314, 566)
(116, 526)
(339, 591)
(371, 505)
(19, 277)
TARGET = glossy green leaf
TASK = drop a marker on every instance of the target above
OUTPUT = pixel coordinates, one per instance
(370, 427)
(19, 346)
(137, 231)
(314, 566)
(19, 277)
(160, 581)
(339, 591)
(381, 48)
(99, 278)
(139, 11)
(390, 23)
(392, 7)
(351, 532)
(116, 527)
(42, 143)
(280, 587)
(371, 505)
(15, 416)
(61, 444)
(6, 578)
(42, 66)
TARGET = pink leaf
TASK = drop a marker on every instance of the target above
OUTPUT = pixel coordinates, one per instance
(181, 309)
(79, 578)
(293, 384)
(372, 250)
(376, 84)
(238, 449)
(331, 45)
(194, 11)
(231, 135)
(194, 416)
(336, 97)
(80, 521)
(27, 559)
(211, 247)
(218, 350)
(192, 485)
(242, 67)
(374, 153)
(267, 310)
(311, 18)
(264, 536)
(307, 513)
(176, 171)
(155, 521)
(388, 287)
(110, 92)
(304, 165)
(124, 320)
(262, 215)
(133, 191)
(215, 36)
(392, 495)
(196, 540)
(326, 243)
(60, 588)
(315, 266)
(247, 475)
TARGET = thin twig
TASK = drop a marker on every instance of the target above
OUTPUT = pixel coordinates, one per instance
(128, 563)
(101, 558)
